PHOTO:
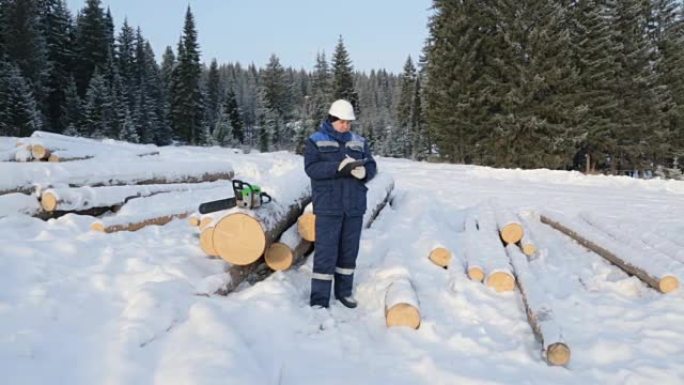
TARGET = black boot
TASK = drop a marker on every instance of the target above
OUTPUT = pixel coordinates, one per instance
(349, 302)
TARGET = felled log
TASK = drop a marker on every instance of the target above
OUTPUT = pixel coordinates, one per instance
(510, 228)
(288, 251)
(401, 304)
(440, 256)
(539, 311)
(48, 142)
(379, 191)
(651, 243)
(76, 199)
(474, 268)
(136, 225)
(114, 173)
(306, 224)
(652, 271)
(157, 209)
(242, 237)
(484, 247)
(18, 203)
(40, 152)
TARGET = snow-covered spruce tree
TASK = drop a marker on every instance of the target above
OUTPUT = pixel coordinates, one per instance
(343, 76)
(535, 126)
(406, 109)
(150, 88)
(639, 107)
(461, 89)
(72, 113)
(214, 91)
(126, 63)
(56, 26)
(667, 34)
(26, 46)
(98, 114)
(277, 99)
(186, 98)
(595, 58)
(222, 133)
(321, 92)
(128, 132)
(91, 44)
(235, 121)
(19, 115)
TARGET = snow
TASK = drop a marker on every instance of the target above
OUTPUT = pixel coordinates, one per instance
(82, 307)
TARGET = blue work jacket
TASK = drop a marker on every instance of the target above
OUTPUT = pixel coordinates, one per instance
(332, 193)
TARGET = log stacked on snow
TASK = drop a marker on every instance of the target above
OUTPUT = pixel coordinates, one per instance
(401, 304)
(306, 224)
(484, 249)
(509, 226)
(653, 243)
(474, 268)
(440, 256)
(119, 173)
(288, 251)
(77, 199)
(52, 147)
(379, 191)
(527, 243)
(539, 311)
(158, 209)
(653, 271)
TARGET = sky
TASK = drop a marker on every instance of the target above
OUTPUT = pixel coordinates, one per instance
(377, 34)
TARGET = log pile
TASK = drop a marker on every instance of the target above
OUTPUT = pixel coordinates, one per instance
(653, 271)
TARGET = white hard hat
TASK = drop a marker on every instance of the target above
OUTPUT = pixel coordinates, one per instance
(342, 109)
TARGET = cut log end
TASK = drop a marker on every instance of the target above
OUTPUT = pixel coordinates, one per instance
(440, 256)
(239, 239)
(529, 249)
(306, 226)
(97, 226)
(501, 281)
(39, 151)
(512, 233)
(668, 284)
(403, 314)
(49, 201)
(207, 242)
(193, 221)
(558, 354)
(279, 256)
(476, 273)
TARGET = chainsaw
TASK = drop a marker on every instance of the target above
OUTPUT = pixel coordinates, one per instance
(247, 196)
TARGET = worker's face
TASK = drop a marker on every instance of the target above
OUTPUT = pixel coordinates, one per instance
(342, 125)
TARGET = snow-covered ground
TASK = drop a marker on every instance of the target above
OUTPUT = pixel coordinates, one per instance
(80, 307)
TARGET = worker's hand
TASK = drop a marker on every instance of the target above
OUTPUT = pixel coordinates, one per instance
(359, 172)
(347, 165)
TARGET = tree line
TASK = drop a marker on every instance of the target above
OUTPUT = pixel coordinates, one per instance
(557, 83)
(532, 83)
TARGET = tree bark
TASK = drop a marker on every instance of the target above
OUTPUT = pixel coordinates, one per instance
(401, 304)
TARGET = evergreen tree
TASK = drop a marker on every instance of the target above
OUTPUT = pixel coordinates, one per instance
(213, 96)
(126, 62)
(25, 43)
(233, 112)
(186, 100)
(99, 119)
(276, 97)
(72, 113)
(406, 109)
(128, 130)
(56, 27)
(19, 115)
(92, 44)
(321, 92)
(343, 78)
